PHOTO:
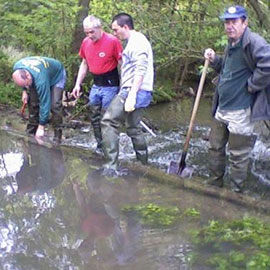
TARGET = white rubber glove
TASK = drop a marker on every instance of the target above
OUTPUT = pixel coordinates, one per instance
(130, 101)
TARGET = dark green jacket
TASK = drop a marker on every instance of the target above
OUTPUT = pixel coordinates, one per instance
(257, 55)
(46, 72)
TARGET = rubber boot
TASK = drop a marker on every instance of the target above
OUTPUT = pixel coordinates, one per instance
(31, 129)
(57, 136)
(134, 131)
(33, 108)
(57, 108)
(218, 139)
(240, 147)
(96, 115)
(111, 122)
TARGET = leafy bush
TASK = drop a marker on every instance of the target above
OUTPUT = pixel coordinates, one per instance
(153, 215)
(248, 240)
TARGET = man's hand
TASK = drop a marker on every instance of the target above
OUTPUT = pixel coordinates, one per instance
(250, 90)
(76, 92)
(130, 101)
(24, 97)
(209, 54)
(39, 134)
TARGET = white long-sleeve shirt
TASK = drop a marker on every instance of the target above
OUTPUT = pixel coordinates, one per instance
(137, 59)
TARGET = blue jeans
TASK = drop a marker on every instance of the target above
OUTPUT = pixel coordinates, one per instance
(143, 98)
(102, 95)
(62, 82)
(99, 100)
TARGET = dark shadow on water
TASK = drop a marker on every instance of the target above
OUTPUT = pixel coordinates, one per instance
(42, 169)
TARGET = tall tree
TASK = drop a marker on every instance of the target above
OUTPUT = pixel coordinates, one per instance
(78, 33)
(262, 17)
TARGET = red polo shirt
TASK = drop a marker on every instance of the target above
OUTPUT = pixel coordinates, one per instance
(103, 55)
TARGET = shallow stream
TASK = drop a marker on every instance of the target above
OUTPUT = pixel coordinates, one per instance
(58, 212)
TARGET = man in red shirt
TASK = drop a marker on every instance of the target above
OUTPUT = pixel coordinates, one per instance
(100, 53)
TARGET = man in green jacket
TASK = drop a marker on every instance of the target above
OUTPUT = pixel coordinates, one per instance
(244, 72)
(43, 80)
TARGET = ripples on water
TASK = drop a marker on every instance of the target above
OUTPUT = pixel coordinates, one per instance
(44, 228)
(167, 147)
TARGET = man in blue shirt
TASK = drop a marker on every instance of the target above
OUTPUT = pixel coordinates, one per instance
(43, 80)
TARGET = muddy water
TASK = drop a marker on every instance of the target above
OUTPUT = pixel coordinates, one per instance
(58, 212)
(170, 123)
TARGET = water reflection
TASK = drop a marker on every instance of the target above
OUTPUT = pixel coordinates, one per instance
(110, 239)
(27, 167)
(28, 173)
(78, 224)
(42, 169)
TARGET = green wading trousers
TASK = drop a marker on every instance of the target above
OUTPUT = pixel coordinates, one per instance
(33, 109)
(56, 110)
(96, 115)
(114, 117)
(218, 139)
(240, 147)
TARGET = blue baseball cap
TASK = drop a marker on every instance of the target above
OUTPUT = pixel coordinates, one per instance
(234, 12)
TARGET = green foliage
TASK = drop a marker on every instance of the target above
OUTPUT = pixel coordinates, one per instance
(234, 261)
(163, 94)
(179, 31)
(192, 212)
(248, 239)
(259, 261)
(153, 215)
(5, 68)
(159, 216)
(10, 94)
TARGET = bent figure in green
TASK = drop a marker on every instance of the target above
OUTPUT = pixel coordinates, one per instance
(43, 80)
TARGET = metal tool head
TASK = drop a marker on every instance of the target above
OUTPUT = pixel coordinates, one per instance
(183, 172)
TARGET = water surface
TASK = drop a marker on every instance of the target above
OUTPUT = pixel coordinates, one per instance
(58, 212)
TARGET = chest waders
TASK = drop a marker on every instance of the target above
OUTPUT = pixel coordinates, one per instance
(240, 147)
(56, 110)
(33, 109)
(114, 117)
(57, 113)
(96, 115)
(218, 139)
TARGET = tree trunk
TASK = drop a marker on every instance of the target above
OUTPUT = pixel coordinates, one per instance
(78, 33)
(184, 73)
(177, 75)
(262, 17)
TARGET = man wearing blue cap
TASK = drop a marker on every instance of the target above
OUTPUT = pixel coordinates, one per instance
(240, 97)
